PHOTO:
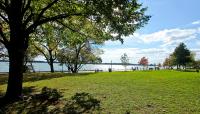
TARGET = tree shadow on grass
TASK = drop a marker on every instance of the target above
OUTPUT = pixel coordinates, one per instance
(27, 91)
(31, 77)
(50, 101)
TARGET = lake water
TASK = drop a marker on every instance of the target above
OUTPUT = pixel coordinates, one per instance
(39, 67)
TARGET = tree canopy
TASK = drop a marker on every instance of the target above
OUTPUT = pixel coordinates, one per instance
(46, 41)
(125, 60)
(20, 18)
(143, 61)
(182, 55)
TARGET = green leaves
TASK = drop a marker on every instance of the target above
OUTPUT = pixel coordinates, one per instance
(124, 59)
(121, 17)
(182, 54)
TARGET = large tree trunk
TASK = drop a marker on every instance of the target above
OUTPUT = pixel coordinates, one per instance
(14, 88)
(16, 50)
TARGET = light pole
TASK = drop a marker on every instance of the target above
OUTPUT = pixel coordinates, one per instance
(111, 64)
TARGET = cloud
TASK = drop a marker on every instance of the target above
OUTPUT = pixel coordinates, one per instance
(128, 41)
(196, 22)
(195, 50)
(163, 38)
(170, 37)
(152, 51)
(156, 45)
(134, 54)
(114, 54)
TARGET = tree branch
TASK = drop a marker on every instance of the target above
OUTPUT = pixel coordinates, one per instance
(73, 29)
(32, 27)
(28, 19)
(4, 18)
(41, 52)
(4, 41)
(45, 9)
(26, 6)
(2, 5)
(45, 46)
(79, 66)
(56, 45)
(54, 58)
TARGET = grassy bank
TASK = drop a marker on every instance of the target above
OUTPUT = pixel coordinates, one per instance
(146, 92)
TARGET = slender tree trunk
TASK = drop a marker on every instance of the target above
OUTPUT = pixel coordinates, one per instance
(74, 68)
(74, 71)
(51, 60)
(32, 66)
(51, 66)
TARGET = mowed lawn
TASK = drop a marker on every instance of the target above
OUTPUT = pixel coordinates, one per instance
(138, 92)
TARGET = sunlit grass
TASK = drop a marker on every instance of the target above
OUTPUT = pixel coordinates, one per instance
(146, 92)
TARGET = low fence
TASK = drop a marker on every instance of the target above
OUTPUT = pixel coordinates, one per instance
(104, 67)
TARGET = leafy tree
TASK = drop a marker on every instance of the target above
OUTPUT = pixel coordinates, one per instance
(193, 63)
(182, 55)
(46, 41)
(77, 49)
(21, 17)
(169, 62)
(196, 64)
(75, 58)
(166, 63)
(159, 65)
(143, 61)
(125, 60)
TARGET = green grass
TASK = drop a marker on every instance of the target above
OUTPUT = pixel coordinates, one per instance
(147, 92)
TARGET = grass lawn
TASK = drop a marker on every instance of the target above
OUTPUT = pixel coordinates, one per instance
(140, 92)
